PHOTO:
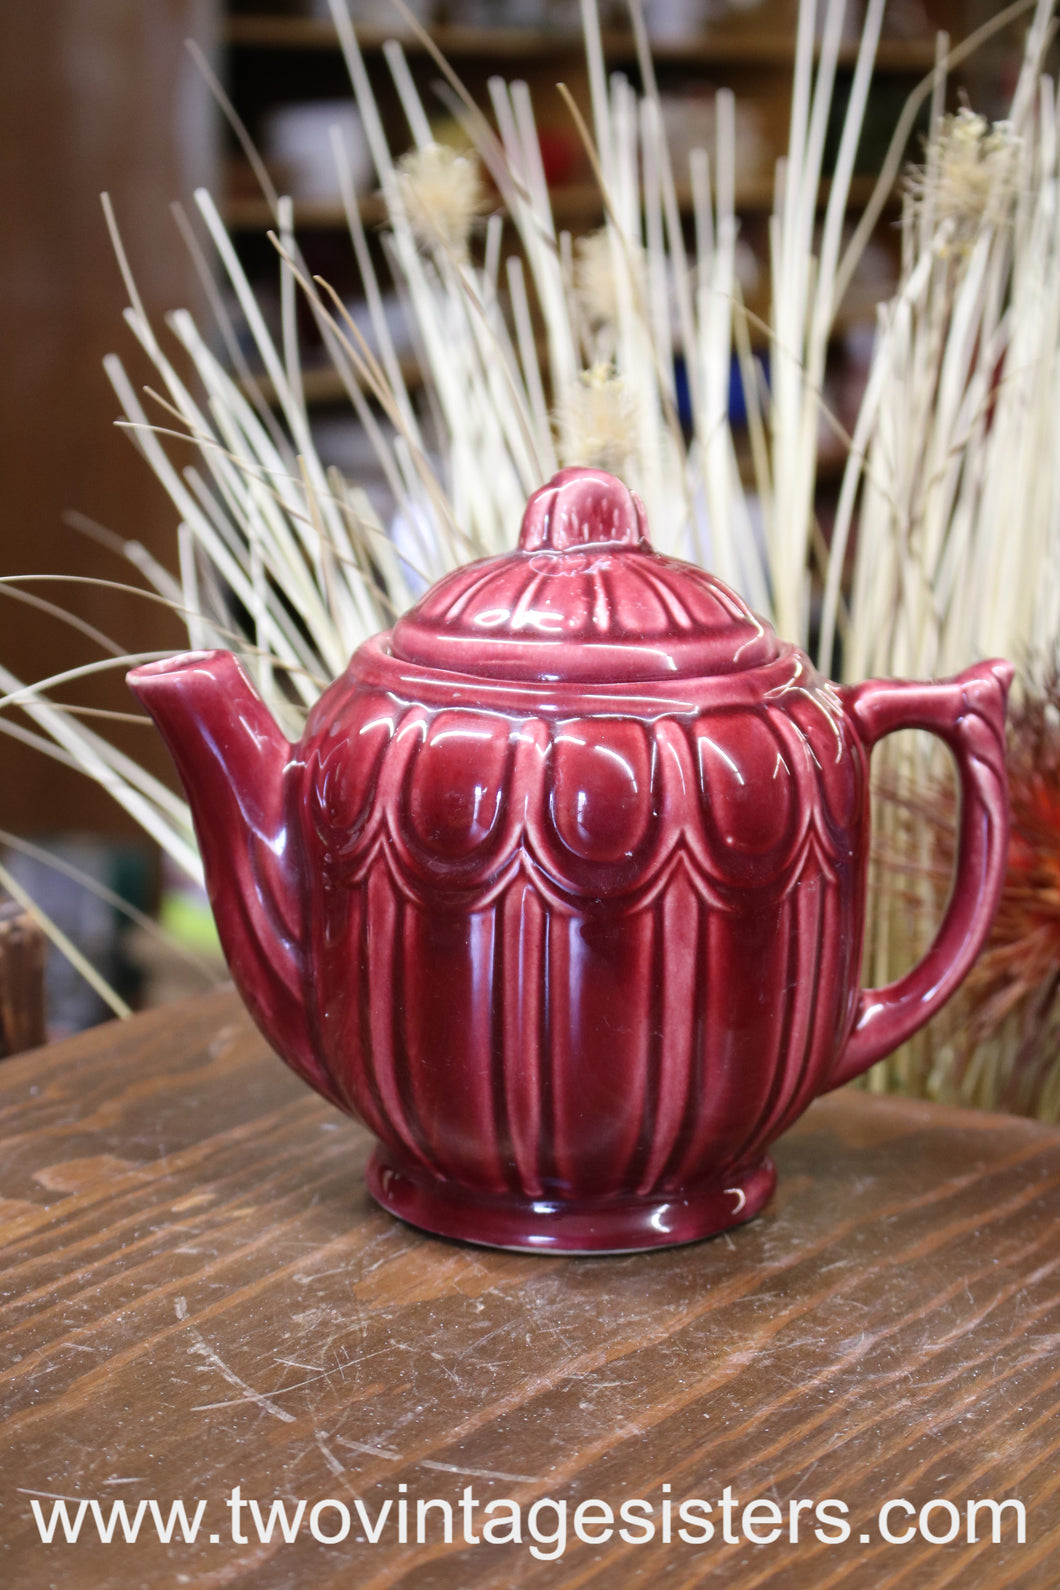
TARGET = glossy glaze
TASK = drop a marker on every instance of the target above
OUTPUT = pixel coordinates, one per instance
(562, 890)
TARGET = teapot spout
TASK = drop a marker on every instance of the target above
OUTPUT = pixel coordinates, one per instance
(236, 768)
(219, 732)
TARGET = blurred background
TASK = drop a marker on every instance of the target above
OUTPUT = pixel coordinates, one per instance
(105, 95)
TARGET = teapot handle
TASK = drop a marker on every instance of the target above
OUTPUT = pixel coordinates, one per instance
(968, 714)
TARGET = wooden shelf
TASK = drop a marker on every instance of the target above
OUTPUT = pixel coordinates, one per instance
(576, 207)
(745, 47)
(322, 384)
(579, 203)
(325, 215)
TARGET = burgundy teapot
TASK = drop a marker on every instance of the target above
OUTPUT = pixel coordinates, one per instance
(562, 890)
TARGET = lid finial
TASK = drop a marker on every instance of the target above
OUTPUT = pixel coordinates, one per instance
(584, 601)
(583, 507)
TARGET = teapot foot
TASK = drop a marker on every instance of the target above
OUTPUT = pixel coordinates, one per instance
(541, 1225)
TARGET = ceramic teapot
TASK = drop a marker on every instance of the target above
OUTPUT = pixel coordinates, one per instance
(562, 890)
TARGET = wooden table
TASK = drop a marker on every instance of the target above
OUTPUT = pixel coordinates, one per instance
(197, 1294)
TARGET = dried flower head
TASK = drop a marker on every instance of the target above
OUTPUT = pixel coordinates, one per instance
(1024, 947)
(969, 181)
(596, 421)
(1006, 1016)
(595, 286)
(441, 191)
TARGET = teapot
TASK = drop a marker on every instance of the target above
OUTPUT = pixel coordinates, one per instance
(562, 890)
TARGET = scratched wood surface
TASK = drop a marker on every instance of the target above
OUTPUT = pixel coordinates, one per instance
(196, 1294)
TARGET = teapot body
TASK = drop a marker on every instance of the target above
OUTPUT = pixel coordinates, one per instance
(579, 956)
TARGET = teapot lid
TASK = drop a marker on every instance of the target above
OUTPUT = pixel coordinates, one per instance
(585, 598)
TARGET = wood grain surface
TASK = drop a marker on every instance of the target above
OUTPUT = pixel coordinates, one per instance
(197, 1294)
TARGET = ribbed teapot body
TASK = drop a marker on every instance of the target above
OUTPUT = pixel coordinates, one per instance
(572, 947)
